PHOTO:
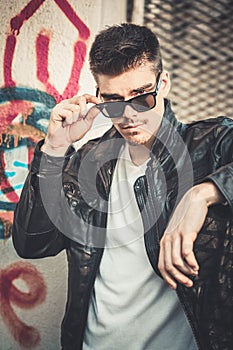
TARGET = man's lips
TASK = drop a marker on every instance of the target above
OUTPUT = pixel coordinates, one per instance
(130, 126)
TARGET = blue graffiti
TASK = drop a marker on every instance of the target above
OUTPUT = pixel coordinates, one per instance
(20, 164)
(39, 118)
(42, 103)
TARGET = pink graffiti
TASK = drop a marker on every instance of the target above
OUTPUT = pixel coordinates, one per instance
(8, 59)
(15, 25)
(27, 336)
(42, 49)
(25, 13)
(10, 110)
(74, 19)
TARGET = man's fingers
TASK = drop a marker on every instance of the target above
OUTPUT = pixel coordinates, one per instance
(92, 113)
(71, 113)
(178, 259)
(187, 252)
(171, 265)
(83, 100)
(172, 275)
(169, 280)
(161, 265)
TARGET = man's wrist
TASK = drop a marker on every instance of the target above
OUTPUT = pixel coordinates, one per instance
(209, 192)
(53, 151)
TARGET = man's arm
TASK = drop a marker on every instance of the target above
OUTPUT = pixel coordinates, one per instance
(34, 233)
(42, 209)
(177, 259)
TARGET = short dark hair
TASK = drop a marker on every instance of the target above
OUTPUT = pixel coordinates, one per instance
(119, 48)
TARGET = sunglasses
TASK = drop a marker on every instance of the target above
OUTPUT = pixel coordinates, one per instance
(142, 103)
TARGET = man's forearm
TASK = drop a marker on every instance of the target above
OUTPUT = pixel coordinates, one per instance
(34, 227)
(209, 192)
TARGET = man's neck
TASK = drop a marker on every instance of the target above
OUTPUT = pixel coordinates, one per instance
(138, 153)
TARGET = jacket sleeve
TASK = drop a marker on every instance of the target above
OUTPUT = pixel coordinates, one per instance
(35, 233)
(222, 177)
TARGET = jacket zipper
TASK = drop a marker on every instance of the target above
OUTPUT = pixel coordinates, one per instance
(184, 306)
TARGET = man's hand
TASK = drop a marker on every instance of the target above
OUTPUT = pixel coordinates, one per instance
(69, 122)
(177, 260)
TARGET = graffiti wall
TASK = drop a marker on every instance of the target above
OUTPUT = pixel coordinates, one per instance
(43, 59)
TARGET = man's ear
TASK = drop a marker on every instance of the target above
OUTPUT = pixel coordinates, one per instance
(165, 83)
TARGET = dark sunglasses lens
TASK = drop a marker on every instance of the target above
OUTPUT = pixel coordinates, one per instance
(112, 109)
(143, 103)
(116, 109)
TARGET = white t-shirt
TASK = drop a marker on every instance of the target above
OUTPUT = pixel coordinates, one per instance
(131, 307)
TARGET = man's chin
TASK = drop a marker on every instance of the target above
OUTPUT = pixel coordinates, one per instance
(137, 141)
(140, 140)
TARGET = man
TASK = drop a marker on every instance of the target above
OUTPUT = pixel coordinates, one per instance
(151, 198)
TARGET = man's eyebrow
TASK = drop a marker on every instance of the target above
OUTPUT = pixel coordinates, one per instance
(146, 86)
(112, 96)
(119, 97)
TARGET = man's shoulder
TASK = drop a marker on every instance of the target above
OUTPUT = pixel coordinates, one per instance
(208, 132)
(219, 121)
(214, 126)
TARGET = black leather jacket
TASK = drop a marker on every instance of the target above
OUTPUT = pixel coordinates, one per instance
(182, 156)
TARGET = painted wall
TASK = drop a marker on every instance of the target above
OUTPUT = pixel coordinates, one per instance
(43, 59)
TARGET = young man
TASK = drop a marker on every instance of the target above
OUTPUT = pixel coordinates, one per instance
(151, 198)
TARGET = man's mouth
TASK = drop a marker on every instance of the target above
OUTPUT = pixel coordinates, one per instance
(130, 126)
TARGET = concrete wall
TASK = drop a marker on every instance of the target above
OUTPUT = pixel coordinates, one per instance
(43, 59)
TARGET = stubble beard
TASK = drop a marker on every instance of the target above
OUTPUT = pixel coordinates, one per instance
(139, 140)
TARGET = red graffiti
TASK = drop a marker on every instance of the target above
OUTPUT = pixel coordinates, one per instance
(25, 13)
(74, 19)
(42, 49)
(15, 24)
(8, 59)
(10, 110)
(42, 52)
(16, 110)
(27, 336)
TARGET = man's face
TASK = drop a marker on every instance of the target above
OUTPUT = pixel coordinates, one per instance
(135, 127)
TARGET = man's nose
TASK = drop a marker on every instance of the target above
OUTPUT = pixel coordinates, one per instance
(129, 112)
